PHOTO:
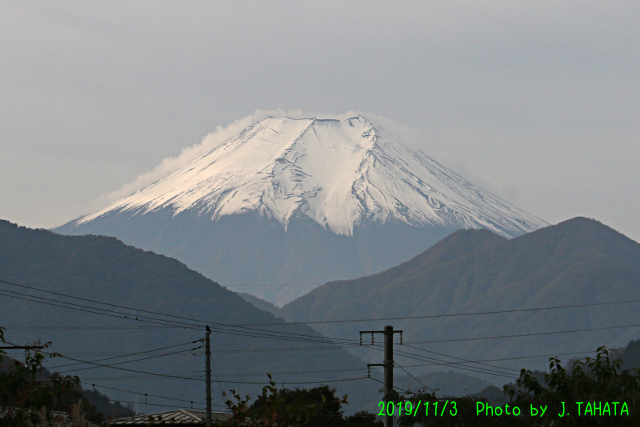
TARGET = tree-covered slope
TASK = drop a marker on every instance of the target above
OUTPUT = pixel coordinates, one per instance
(103, 269)
(580, 261)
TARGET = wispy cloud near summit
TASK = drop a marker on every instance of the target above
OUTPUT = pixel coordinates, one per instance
(222, 133)
(188, 154)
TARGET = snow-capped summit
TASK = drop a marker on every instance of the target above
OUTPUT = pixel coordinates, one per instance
(302, 201)
(340, 173)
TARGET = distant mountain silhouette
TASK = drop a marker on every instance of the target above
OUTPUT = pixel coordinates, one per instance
(260, 303)
(104, 269)
(579, 261)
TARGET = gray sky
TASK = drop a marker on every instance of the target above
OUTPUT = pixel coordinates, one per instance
(538, 102)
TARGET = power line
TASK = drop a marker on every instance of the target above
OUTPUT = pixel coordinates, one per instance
(430, 280)
(526, 335)
(195, 379)
(87, 327)
(104, 303)
(401, 353)
(452, 365)
(249, 350)
(145, 394)
(262, 333)
(286, 336)
(394, 386)
(459, 358)
(436, 316)
(217, 376)
(126, 369)
(443, 362)
(409, 373)
(440, 362)
(360, 369)
(134, 360)
(306, 338)
(496, 370)
(87, 309)
(358, 281)
(567, 306)
(141, 378)
(117, 355)
(320, 371)
(267, 350)
(199, 324)
(465, 361)
(219, 327)
(143, 403)
(536, 356)
(129, 354)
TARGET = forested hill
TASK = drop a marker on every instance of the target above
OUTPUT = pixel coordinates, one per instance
(577, 262)
(97, 270)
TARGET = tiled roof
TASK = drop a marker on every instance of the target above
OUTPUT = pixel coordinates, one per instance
(178, 416)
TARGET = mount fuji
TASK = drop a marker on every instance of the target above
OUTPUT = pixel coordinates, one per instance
(289, 204)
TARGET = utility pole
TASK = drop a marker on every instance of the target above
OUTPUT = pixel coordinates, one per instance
(207, 345)
(388, 365)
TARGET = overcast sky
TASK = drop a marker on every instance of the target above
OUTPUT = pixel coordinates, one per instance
(538, 102)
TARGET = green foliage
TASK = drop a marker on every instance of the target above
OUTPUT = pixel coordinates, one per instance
(596, 381)
(27, 396)
(103, 406)
(282, 407)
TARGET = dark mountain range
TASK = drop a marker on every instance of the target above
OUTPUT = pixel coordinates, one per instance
(580, 261)
(102, 269)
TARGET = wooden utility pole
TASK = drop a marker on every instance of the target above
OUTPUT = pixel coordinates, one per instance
(388, 365)
(207, 345)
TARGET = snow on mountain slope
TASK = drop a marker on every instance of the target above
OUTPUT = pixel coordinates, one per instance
(340, 173)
